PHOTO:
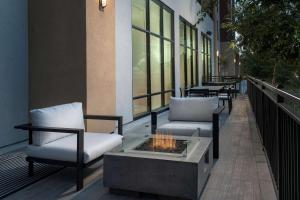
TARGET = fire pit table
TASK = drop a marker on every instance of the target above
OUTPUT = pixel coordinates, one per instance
(166, 165)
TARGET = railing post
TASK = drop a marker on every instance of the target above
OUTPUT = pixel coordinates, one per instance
(279, 100)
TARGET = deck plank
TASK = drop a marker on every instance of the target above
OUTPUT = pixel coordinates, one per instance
(241, 154)
(240, 173)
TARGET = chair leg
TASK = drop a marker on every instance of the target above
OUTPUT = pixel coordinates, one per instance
(223, 102)
(30, 168)
(230, 105)
(79, 178)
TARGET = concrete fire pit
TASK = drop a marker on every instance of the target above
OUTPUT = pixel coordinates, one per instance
(181, 175)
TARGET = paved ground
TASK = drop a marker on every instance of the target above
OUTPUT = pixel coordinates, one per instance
(240, 173)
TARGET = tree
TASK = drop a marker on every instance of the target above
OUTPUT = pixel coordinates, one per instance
(268, 32)
(206, 8)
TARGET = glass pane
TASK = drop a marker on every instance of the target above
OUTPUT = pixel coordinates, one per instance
(140, 106)
(188, 35)
(209, 47)
(194, 39)
(189, 75)
(203, 44)
(209, 67)
(167, 98)
(139, 63)
(168, 64)
(167, 24)
(182, 71)
(156, 102)
(139, 13)
(182, 33)
(155, 60)
(194, 68)
(203, 66)
(154, 18)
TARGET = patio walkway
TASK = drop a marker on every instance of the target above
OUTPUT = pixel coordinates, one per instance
(240, 173)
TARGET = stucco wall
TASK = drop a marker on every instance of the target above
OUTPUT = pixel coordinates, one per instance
(13, 69)
(100, 66)
(72, 56)
(123, 60)
(186, 9)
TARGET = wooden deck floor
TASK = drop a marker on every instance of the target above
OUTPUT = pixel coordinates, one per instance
(240, 173)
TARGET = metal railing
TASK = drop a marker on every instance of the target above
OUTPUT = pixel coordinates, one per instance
(279, 127)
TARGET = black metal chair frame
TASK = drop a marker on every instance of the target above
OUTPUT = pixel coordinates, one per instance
(207, 93)
(233, 91)
(79, 164)
(198, 93)
(215, 120)
(184, 92)
(228, 98)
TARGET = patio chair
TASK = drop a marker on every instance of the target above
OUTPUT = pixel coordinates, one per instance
(225, 95)
(233, 90)
(57, 136)
(184, 92)
(198, 93)
(187, 115)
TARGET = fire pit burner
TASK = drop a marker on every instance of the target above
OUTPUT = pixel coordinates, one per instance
(163, 146)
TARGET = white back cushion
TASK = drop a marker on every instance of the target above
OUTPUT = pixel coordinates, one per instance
(193, 109)
(62, 116)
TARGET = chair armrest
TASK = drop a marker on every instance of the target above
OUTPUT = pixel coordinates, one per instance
(218, 110)
(216, 114)
(29, 127)
(110, 118)
(154, 115)
(78, 132)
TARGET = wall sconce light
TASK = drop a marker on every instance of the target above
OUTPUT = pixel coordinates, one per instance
(102, 4)
(234, 60)
(217, 53)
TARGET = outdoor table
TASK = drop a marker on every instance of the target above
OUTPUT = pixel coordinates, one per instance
(227, 83)
(219, 83)
(209, 88)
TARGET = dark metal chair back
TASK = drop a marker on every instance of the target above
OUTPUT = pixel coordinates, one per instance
(226, 90)
(198, 93)
(184, 92)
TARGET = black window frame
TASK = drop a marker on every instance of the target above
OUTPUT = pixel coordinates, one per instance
(196, 49)
(207, 76)
(148, 33)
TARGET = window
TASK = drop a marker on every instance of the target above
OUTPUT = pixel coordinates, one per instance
(206, 58)
(188, 54)
(153, 60)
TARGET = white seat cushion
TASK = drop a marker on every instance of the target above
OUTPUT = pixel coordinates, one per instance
(195, 109)
(62, 116)
(204, 129)
(64, 149)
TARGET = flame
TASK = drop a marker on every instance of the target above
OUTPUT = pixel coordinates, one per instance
(163, 141)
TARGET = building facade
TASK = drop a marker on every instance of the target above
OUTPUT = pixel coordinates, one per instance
(160, 48)
(128, 59)
(229, 58)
